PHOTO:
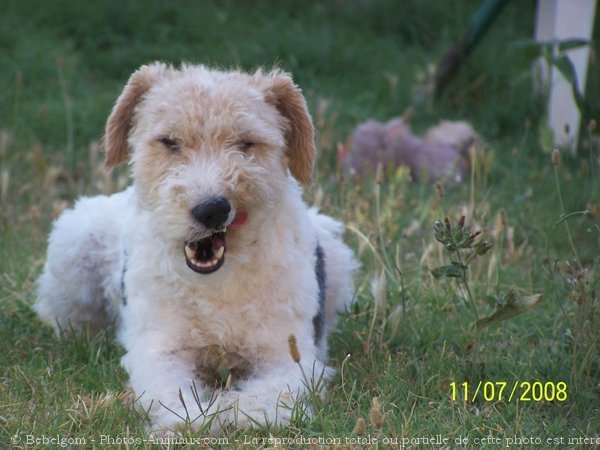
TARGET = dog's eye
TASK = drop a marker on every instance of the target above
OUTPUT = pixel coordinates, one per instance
(171, 144)
(245, 146)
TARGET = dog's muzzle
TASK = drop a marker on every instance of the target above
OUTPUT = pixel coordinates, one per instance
(207, 255)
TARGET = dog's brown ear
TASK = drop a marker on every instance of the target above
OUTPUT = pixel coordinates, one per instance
(300, 137)
(121, 118)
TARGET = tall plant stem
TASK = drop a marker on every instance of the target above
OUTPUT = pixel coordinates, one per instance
(465, 283)
(563, 213)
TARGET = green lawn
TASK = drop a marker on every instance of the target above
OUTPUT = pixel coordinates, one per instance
(409, 340)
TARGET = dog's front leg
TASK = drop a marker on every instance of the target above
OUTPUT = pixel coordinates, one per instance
(168, 390)
(272, 396)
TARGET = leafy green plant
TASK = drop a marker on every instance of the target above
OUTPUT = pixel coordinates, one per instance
(575, 280)
(464, 246)
(554, 53)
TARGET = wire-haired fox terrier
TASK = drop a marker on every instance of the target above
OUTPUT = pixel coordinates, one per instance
(210, 261)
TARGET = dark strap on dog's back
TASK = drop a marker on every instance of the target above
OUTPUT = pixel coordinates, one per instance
(319, 319)
(123, 272)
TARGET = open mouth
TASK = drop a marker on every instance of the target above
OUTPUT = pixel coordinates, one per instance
(206, 255)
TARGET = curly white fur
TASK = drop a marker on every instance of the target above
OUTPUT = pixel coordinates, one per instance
(246, 138)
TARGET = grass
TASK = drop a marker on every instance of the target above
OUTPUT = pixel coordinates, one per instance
(409, 337)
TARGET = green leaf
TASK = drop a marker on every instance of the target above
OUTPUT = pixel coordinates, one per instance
(570, 44)
(511, 305)
(481, 248)
(533, 49)
(563, 45)
(454, 270)
(564, 217)
(565, 66)
(545, 136)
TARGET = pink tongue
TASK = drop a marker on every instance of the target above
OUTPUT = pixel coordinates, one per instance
(241, 216)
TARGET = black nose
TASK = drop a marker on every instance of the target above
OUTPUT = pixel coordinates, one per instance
(212, 213)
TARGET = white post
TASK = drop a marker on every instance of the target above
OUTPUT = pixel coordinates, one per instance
(560, 20)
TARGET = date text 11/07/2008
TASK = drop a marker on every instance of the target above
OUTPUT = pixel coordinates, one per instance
(523, 391)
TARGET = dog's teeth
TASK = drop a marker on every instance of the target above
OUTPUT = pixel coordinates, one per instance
(207, 264)
(201, 264)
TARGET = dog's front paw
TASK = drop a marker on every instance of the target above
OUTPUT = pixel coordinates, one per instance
(182, 415)
(239, 410)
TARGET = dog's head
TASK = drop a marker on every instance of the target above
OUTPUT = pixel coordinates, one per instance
(211, 151)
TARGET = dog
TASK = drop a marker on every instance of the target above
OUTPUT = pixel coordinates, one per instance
(210, 265)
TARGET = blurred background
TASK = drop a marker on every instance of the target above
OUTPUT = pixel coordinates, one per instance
(66, 61)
